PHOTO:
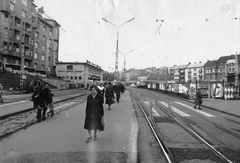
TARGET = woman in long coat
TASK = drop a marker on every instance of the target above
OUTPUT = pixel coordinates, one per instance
(109, 95)
(94, 113)
(198, 99)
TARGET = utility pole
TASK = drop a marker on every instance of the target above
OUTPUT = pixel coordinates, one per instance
(22, 66)
(118, 27)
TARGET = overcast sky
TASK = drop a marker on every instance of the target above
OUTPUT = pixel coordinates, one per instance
(192, 31)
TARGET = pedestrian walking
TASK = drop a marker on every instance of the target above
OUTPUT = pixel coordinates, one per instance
(109, 95)
(1, 92)
(118, 90)
(94, 113)
(198, 99)
(101, 89)
(41, 98)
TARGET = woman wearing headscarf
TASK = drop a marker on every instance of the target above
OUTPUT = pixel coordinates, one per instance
(94, 113)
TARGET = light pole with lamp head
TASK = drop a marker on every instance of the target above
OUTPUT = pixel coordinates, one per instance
(118, 27)
(124, 69)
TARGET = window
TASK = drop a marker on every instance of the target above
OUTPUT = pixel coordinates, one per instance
(44, 29)
(43, 67)
(49, 42)
(44, 38)
(79, 77)
(35, 55)
(12, 6)
(6, 17)
(43, 48)
(49, 59)
(50, 32)
(75, 77)
(23, 13)
(35, 65)
(16, 62)
(43, 57)
(36, 34)
(24, 2)
(17, 48)
(36, 45)
(71, 77)
(69, 67)
(18, 36)
(49, 68)
(26, 64)
(10, 46)
(27, 52)
(5, 45)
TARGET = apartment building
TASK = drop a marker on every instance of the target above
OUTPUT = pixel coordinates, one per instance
(177, 73)
(194, 72)
(27, 39)
(79, 72)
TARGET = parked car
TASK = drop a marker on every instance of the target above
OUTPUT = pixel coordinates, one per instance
(133, 85)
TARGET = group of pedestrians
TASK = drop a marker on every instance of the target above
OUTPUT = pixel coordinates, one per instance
(94, 115)
(42, 100)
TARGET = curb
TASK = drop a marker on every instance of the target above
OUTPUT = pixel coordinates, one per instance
(133, 157)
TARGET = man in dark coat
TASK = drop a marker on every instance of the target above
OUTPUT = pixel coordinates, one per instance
(118, 90)
(41, 98)
(94, 113)
(109, 95)
(198, 99)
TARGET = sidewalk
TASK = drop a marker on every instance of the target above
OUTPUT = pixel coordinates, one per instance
(64, 138)
(231, 107)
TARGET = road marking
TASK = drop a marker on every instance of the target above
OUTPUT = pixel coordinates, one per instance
(181, 113)
(155, 113)
(191, 108)
(13, 103)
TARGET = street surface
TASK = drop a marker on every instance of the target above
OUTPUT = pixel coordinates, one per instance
(63, 139)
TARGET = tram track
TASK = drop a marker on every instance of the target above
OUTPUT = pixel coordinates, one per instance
(14, 122)
(172, 153)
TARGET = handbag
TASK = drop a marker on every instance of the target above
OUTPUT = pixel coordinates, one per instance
(102, 122)
(113, 101)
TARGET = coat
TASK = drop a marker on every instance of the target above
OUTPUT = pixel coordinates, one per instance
(117, 90)
(94, 113)
(198, 98)
(109, 95)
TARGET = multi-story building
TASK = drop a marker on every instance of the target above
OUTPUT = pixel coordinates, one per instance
(26, 38)
(194, 72)
(232, 69)
(210, 70)
(177, 73)
(79, 72)
(215, 70)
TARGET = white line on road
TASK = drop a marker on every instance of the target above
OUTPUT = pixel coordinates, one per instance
(155, 113)
(191, 108)
(13, 103)
(181, 113)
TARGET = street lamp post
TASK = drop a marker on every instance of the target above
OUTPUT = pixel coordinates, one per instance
(118, 27)
(124, 69)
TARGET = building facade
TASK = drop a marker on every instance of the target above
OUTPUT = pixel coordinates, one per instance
(79, 72)
(27, 40)
(177, 73)
(194, 72)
